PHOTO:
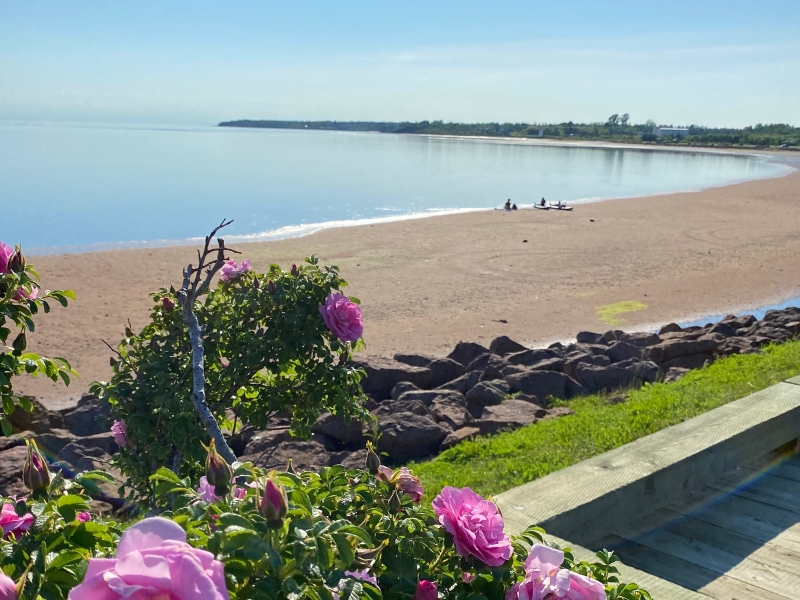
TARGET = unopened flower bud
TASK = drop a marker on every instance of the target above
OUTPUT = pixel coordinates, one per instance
(271, 286)
(426, 590)
(394, 502)
(294, 270)
(112, 362)
(167, 303)
(373, 462)
(19, 344)
(16, 264)
(256, 283)
(128, 332)
(274, 504)
(218, 472)
(171, 289)
(35, 474)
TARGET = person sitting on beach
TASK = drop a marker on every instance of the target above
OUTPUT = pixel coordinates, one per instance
(513, 207)
(543, 202)
(508, 204)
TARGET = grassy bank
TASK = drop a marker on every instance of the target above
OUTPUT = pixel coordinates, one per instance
(494, 464)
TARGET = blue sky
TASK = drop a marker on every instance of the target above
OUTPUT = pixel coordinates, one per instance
(713, 62)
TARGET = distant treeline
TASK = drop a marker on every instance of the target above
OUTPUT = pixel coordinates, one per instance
(616, 129)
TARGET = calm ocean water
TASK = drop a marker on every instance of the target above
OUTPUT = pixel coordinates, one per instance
(78, 187)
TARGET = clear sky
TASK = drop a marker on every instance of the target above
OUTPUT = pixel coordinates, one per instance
(712, 62)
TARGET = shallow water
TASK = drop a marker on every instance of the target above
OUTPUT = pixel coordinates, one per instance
(77, 187)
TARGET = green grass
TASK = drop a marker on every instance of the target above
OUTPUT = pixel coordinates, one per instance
(493, 464)
(611, 313)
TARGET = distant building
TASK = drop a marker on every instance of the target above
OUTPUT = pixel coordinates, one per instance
(670, 132)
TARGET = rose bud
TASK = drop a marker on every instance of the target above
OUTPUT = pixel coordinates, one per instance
(426, 590)
(271, 286)
(256, 283)
(19, 344)
(128, 332)
(394, 502)
(373, 462)
(218, 472)
(35, 474)
(274, 504)
(172, 289)
(16, 264)
(294, 270)
(112, 362)
(168, 304)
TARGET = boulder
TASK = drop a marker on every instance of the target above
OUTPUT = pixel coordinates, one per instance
(723, 329)
(505, 345)
(741, 322)
(670, 328)
(574, 360)
(83, 457)
(527, 398)
(415, 360)
(41, 420)
(266, 440)
(406, 436)
(640, 339)
(334, 426)
(11, 463)
(487, 393)
(492, 372)
(349, 459)
(15, 439)
(612, 336)
(619, 351)
(558, 348)
(464, 383)
(550, 364)
(509, 415)
(528, 358)
(465, 352)
(735, 345)
(693, 361)
(424, 397)
(52, 442)
(451, 411)
(444, 370)
(595, 378)
(542, 384)
(402, 405)
(383, 374)
(644, 370)
(779, 318)
(307, 455)
(459, 435)
(89, 417)
(589, 337)
(661, 353)
(681, 335)
(558, 411)
(593, 349)
(674, 374)
(401, 388)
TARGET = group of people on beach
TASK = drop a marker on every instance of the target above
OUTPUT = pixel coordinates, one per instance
(509, 206)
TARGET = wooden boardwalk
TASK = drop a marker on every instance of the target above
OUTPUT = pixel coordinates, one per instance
(744, 543)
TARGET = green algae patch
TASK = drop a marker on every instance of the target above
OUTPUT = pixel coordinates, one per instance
(610, 313)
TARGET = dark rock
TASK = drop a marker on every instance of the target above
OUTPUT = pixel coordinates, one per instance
(401, 388)
(451, 410)
(596, 378)
(542, 384)
(693, 361)
(640, 339)
(558, 348)
(674, 374)
(661, 353)
(681, 335)
(460, 435)
(424, 397)
(612, 336)
(89, 417)
(306, 455)
(779, 318)
(11, 463)
(723, 329)
(508, 416)
(528, 398)
(464, 383)
(589, 337)
(406, 436)
(739, 322)
(734, 345)
(550, 364)
(15, 439)
(505, 345)
(492, 372)
(558, 411)
(619, 351)
(593, 349)
(778, 334)
(488, 392)
(334, 426)
(383, 374)
(265, 441)
(52, 442)
(444, 370)
(40, 420)
(573, 361)
(349, 459)
(644, 370)
(511, 369)
(415, 360)
(465, 352)
(531, 357)
(573, 389)
(398, 406)
(670, 328)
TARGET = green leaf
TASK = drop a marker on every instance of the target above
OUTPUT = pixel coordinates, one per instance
(64, 558)
(6, 426)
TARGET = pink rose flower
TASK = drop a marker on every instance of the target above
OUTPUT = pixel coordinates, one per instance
(467, 577)
(406, 482)
(120, 431)
(83, 516)
(426, 590)
(13, 525)
(363, 575)
(475, 524)
(8, 589)
(232, 270)
(153, 562)
(343, 317)
(544, 578)
(206, 491)
(5, 256)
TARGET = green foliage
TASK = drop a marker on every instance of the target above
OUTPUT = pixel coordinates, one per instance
(20, 302)
(267, 351)
(51, 557)
(339, 522)
(490, 465)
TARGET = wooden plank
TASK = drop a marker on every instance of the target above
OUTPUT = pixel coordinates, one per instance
(794, 460)
(583, 502)
(774, 491)
(694, 577)
(786, 471)
(747, 522)
(779, 517)
(719, 561)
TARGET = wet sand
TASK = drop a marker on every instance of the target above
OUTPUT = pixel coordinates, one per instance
(425, 284)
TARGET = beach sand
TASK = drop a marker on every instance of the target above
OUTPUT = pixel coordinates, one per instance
(426, 284)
